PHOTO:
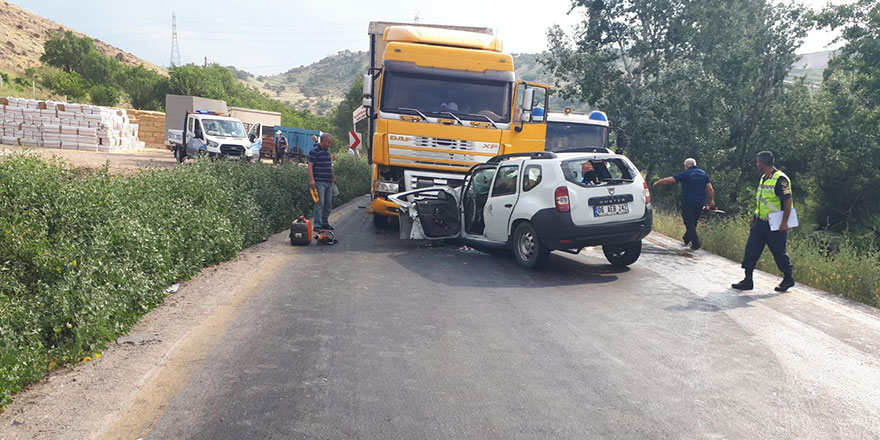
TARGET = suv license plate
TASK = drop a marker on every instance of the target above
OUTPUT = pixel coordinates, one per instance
(620, 208)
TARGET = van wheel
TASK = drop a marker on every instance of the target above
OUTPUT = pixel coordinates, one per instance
(527, 247)
(380, 221)
(622, 255)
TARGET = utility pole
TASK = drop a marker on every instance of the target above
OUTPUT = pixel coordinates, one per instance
(206, 61)
(175, 49)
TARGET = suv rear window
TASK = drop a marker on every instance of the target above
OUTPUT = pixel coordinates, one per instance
(589, 172)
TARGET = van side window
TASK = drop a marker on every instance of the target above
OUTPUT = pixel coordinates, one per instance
(197, 131)
(531, 177)
(505, 181)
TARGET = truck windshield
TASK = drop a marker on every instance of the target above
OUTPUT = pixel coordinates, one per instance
(216, 127)
(567, 135)
(467, 98)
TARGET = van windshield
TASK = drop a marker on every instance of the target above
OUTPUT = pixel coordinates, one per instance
(567, 135)
(218, 127)
(467, 98)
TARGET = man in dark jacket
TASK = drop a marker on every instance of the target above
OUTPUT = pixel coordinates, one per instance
(695, 186)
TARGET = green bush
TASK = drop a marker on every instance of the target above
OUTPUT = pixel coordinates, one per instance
(104, 95)
(83, 256)
(848, 267)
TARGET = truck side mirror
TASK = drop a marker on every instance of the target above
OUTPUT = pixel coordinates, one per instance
(528, 98)
(368, 86)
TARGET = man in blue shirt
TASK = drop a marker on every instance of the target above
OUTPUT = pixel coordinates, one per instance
(695, 185)
(321, 178)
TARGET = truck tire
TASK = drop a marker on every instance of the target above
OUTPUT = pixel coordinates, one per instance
(622, 255)
(380, 221)
(528, 249)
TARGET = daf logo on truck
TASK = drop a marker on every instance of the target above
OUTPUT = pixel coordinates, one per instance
(400, 138)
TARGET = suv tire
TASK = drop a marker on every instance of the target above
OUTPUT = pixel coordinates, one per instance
(622, 255)
(527, 247)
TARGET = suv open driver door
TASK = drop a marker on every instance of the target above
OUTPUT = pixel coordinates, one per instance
(429, 213)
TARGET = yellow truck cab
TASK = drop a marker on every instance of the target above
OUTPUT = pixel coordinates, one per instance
(442, 100)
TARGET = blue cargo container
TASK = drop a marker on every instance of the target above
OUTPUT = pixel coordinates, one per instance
(299, 141)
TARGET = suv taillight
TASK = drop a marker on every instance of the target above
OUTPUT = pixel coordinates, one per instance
(647, 193)
(562, 203)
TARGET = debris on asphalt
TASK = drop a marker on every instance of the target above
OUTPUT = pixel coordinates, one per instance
(469, 250)
(173, 288)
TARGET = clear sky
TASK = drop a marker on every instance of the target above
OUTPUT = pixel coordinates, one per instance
(266, 37)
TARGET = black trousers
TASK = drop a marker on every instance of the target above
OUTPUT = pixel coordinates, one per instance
(690, 214)
(759, 236)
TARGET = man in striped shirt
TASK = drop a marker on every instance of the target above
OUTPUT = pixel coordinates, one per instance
(322, 179)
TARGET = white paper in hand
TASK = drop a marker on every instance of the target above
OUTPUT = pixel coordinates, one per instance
(775, 219)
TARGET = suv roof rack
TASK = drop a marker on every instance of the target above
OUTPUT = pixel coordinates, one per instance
(530, 155)
(585, 150)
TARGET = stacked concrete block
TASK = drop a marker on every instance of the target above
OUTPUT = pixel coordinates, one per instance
(66, 125)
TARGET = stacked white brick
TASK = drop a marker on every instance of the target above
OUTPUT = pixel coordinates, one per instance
(66, 125)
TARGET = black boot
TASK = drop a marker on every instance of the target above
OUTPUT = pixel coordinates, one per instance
(787, 283)
(746, 283)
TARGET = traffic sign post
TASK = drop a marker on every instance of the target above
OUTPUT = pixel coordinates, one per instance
(354, 140)
(359, 114)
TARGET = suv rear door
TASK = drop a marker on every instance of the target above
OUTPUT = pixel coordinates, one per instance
(617, 196)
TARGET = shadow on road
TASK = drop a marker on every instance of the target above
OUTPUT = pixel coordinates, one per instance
(719, 301)
(448, 263)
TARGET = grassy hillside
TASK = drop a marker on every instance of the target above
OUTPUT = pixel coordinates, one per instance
(321, 85)
(22, 35)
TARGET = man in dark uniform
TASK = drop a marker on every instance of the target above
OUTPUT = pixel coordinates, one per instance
(695, 186)
(280, 146)
(774, 195)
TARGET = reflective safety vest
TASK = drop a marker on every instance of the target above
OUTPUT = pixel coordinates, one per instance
(767, 200)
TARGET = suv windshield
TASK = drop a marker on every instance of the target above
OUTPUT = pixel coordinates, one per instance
(590, 172)
(217, 127)
(467, 98)
(567, 135)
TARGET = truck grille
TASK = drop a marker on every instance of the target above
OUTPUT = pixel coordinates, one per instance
(439, 152)
(232, 150)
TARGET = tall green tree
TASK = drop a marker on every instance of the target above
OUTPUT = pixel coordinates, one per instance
(145, 88)
(847, 169)
(681, 77)
(341, 115)
(65, 50)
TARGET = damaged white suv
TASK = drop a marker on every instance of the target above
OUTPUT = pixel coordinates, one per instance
(535, 203)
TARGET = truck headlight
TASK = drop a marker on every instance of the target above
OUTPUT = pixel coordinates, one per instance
(387, 187)
(213, 144)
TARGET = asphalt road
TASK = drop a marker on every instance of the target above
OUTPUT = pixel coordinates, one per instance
(377, 338)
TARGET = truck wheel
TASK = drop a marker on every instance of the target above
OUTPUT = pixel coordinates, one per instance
(180, 154)
(380, 221)
(622, 255)
(527, 247)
